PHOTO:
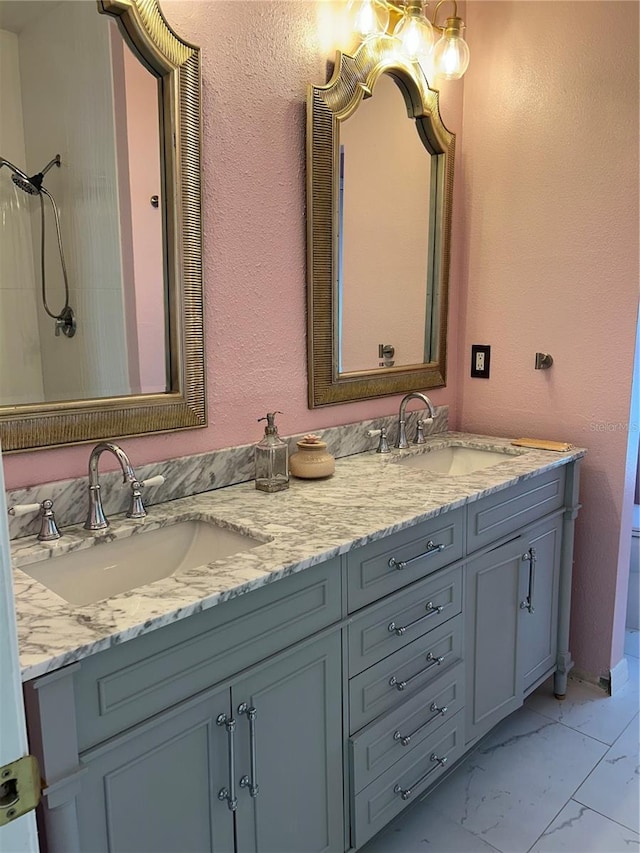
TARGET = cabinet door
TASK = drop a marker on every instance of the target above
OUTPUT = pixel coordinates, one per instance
(298, 764)
(538, 625)
(156, 787)
(492, 614)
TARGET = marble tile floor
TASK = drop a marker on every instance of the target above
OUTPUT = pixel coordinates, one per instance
(554, 777)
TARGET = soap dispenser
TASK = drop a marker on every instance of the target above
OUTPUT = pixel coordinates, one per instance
(272, 458)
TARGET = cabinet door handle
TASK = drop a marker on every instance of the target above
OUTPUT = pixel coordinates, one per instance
(431, 608)
(401, 685)
(431, 548)
(531, 558)
(405, 793)
(250, 782)
(438, 712)
(229, 794)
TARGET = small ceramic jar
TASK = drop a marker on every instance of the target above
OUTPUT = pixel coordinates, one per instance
(312, 460)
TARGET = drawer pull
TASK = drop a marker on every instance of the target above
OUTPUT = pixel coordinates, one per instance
(431, 548)
(229, 794)
(431, 608)
(401, 685)
(531, 558)
(250, 782)
(438, 712)
(405, 793)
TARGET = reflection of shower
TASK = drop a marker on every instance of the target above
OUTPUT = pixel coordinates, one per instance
(65, 320)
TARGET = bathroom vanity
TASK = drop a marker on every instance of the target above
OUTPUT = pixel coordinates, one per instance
(304, 714)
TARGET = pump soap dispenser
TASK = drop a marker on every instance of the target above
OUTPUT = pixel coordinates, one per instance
(272, 458)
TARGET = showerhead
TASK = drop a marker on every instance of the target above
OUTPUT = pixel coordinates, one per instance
(31, 185)
(17, 173)
(27, 186)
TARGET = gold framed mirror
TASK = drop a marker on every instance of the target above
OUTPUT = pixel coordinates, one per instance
(173, 395)
(377, 275)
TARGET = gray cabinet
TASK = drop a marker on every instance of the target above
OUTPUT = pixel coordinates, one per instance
(269, 746)
(491, 606)
(172, 743)
(155, 787)
(538, 605)
(511, 608)
(358, 682)
(297, 699)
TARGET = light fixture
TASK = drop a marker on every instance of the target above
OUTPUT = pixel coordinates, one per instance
(369, 18)
(451, 53)
(414, 31)
(449, 58)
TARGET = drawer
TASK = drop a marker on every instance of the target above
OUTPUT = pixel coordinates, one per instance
(378, 746)
(387, 684)
(121, 686)
(403, 783)
(499, 514)
(370, 575)
(383, 628)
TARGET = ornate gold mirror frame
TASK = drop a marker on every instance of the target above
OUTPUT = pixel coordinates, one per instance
(353, 79)
(177, 65)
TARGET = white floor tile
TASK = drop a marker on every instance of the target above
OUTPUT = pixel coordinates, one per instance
(588, 709)
(578, 829)
(511, 788)
(422, 828)
(613, 787)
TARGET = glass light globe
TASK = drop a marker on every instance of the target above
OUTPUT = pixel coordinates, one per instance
(368, 18)
(415, 32)
(451, 53)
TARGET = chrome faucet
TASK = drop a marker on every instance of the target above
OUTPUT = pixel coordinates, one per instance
(96, 519)
(401, 441)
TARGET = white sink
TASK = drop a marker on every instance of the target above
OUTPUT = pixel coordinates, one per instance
(115, 566)
(455, 460)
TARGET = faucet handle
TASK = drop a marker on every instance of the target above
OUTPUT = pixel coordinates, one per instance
(48, 527)
(136, 507)
(420, 439)
(157, 480)
(383, 444)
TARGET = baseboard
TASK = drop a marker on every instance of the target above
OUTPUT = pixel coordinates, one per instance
(618, 676)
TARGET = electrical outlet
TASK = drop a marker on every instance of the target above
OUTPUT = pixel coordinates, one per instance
(480, 361)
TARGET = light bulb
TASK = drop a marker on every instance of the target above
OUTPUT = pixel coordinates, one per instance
(414, 31)
(369, 18)
(451, 53)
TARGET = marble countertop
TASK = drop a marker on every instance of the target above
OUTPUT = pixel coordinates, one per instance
(369, 496)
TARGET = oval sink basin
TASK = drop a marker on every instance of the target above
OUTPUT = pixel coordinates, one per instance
(455, 460)
(115, 566)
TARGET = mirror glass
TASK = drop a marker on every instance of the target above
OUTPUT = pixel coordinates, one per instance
(383, 271)
(97, 106)
(100, 248)
(379, 195)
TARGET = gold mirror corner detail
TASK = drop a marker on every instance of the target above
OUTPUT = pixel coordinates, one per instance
(352, 82)
(176, 64)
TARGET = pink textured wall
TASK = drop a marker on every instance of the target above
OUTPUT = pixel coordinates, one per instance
(551, 241)
(257, 59)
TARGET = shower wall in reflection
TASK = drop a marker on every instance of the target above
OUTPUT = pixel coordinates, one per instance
(20, 356)
(65, 79)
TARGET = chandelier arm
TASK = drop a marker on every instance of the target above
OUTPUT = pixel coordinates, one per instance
(399, 9)
(435, 14)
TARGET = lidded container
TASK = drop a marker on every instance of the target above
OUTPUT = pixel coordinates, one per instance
(312, 461)
(272, 458)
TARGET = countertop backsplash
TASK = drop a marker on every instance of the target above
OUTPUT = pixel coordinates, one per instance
(192, 475)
